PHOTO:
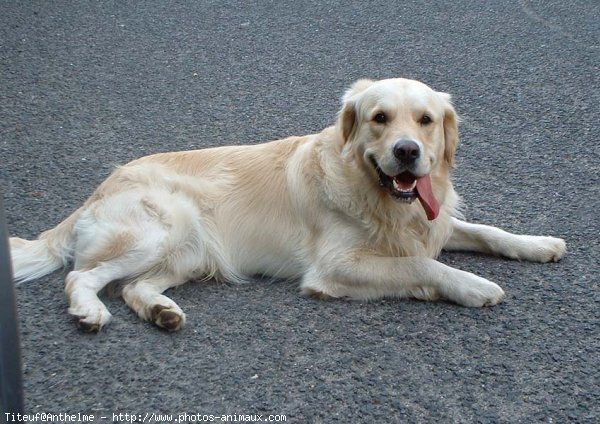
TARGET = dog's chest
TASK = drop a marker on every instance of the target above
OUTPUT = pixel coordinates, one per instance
(414, 237)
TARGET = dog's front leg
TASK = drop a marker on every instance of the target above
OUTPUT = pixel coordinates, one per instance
(366, 276)
(486, 239)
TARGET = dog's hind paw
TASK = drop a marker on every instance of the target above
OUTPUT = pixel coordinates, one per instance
(91, 321)
(166, 317)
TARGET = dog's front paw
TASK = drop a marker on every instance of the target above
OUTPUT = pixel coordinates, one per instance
(473, 291)
(544, 249)
(555, 249)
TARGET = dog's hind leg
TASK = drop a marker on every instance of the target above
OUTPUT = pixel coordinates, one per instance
(105, 253)
(83, 284)
(146, 299)
(82, 289)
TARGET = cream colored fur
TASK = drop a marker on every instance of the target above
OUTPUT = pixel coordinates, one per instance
(309, 208)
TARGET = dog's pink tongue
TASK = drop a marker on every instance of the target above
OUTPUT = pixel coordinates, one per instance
(426, 197)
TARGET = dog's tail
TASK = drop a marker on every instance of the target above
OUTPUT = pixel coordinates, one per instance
(52, 250)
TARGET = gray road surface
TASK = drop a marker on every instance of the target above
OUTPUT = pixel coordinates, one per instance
(88, 85)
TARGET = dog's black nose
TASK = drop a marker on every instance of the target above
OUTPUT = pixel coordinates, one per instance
(407, 151)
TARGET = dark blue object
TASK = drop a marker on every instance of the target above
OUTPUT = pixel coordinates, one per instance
(11, 386)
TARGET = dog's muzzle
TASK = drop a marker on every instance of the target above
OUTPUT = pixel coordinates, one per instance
(406, 186)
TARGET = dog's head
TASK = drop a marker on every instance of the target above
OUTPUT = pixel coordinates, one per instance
(402, 132)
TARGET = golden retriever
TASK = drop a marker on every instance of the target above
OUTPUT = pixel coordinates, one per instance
(360, 210)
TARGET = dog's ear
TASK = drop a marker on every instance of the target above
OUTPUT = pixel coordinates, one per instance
(347, 119)
(450, 130)
(348, 114)
(357, 88)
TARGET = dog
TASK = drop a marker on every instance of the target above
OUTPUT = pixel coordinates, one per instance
(360, 210)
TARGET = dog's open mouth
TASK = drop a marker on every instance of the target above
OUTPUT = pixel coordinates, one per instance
(402, 186)
(406, 187)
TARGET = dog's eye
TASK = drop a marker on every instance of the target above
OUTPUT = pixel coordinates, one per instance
(380, 118)
(425, 120)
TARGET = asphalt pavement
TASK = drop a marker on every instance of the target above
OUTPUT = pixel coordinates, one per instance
(85, 86)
